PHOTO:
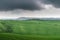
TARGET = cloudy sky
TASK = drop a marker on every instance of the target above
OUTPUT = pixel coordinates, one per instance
(29, 8)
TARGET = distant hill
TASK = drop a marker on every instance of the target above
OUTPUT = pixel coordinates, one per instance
(23, 18)
(29, 18)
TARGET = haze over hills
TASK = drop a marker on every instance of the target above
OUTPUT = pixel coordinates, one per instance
(31, 18)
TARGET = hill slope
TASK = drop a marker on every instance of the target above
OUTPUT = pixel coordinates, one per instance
(29, 30)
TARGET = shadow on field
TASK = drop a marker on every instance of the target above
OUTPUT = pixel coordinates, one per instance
(5, 36)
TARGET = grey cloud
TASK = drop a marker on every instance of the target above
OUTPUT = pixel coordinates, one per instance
(25, 4)
(55, 3)
(18, 4)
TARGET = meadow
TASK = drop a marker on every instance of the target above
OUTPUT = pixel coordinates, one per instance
(29, 29)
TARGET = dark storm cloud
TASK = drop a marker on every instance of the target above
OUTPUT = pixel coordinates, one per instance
(26, 4)
(18, 4)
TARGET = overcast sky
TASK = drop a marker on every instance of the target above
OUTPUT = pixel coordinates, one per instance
(29, 8)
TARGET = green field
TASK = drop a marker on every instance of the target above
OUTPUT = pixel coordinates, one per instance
(30, 30)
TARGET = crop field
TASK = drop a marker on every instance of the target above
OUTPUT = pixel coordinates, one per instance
(32, 29)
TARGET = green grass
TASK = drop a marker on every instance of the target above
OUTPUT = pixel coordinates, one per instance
(8, 36)
(30, 30)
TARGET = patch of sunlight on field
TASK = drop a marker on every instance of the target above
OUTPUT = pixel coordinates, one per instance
(22, 28)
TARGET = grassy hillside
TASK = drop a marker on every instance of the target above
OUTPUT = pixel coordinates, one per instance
(50, 30)
(31, 27)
